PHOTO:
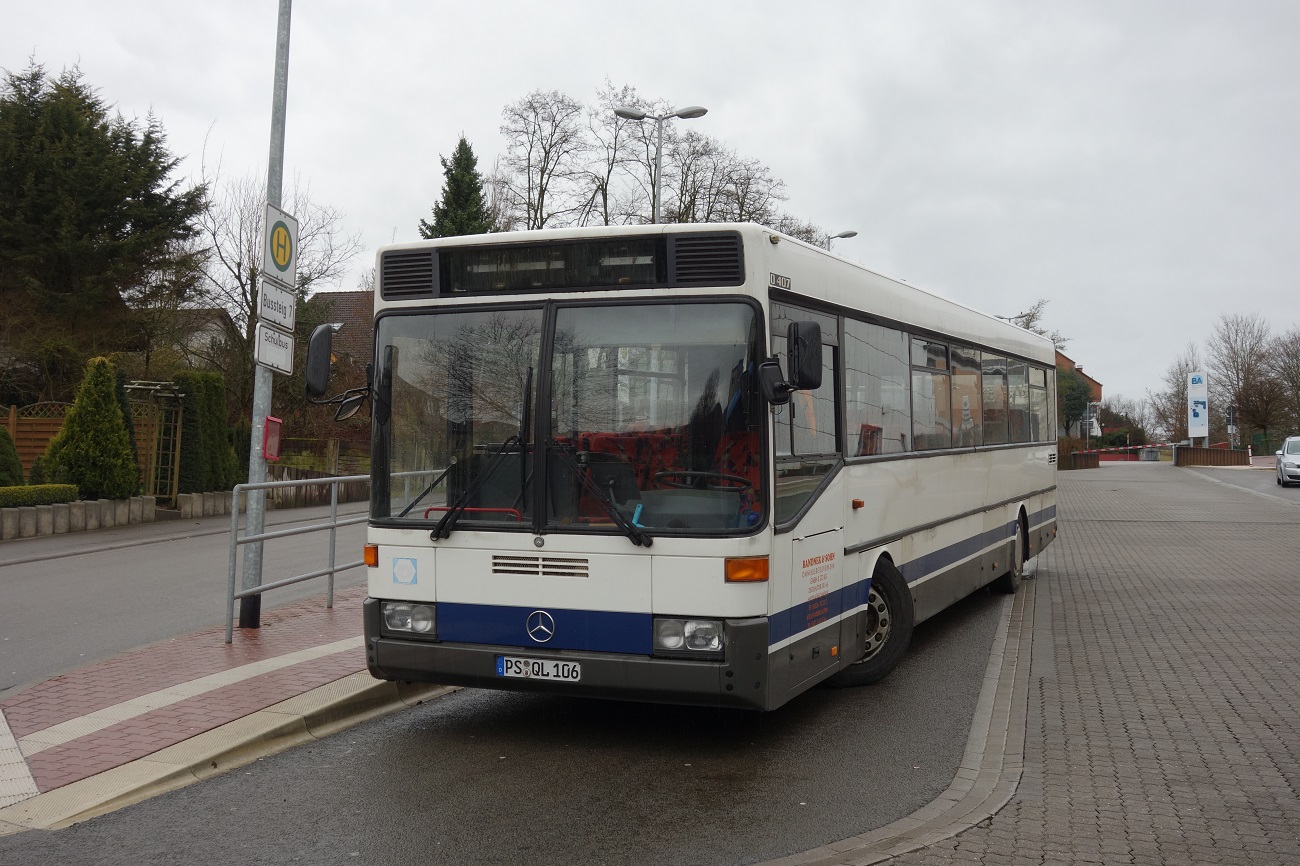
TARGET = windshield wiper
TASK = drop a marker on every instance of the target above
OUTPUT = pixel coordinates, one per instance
(630, 529)
(425, 492)
(457, 508)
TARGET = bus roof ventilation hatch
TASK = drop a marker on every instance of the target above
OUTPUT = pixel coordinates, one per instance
(706, 259)
(407, 274)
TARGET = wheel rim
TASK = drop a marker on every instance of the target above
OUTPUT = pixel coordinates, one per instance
(1018, 555)
(879, 623)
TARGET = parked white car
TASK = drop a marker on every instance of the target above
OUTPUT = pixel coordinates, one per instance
(1288, 462)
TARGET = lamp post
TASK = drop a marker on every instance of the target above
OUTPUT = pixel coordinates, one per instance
(845, 234)
(687, 113)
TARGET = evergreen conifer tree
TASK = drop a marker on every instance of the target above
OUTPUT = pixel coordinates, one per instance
(462, 210)
(93, 450)
(89, 215)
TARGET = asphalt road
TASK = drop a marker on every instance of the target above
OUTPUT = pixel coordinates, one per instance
(496, 778)
(1258, 480)
(67, 601)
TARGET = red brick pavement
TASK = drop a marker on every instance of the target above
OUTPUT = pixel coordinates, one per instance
(284, 630)
(140, 672)
(145, 734)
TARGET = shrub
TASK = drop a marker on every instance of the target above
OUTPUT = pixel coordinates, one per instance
(37, 475)
(93, 450)
(38, 494)
(11, 468)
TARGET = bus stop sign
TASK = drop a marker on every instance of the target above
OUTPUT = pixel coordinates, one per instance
(280, 247)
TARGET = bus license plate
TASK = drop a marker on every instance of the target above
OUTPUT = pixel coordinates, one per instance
(538, 669)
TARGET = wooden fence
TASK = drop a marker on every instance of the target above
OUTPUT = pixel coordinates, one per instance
(33, 427)
(1186, 455)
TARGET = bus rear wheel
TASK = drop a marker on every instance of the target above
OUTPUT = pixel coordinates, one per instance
(889, 619)
(1010, 582)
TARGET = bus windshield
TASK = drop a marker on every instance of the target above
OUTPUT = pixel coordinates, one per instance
(651, 420)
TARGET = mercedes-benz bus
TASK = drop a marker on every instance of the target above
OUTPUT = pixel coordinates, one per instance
(702, 464)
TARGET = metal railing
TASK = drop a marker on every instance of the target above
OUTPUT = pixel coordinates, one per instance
(332, 526)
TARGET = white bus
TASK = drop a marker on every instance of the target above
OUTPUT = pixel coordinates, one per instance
(702, 464)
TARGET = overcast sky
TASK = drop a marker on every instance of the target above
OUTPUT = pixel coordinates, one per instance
(1135, 163)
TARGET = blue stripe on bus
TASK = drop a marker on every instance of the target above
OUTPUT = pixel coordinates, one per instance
(616, 632)
(794, 620)
(587, 630)
(954, 553)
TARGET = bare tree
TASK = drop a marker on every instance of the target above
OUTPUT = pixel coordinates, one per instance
(569, 165)
(1169, 404)
(232, 230)
(1032, 320)
(808, 232)
(1119, 411)
(545, 151)
(612, 194)
(1239, 355)
(497, 196)
(1284, 363)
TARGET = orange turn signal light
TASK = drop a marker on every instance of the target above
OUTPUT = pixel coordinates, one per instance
(747, 569)
(371, 555)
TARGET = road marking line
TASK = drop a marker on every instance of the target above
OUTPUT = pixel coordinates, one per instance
(16, 782)
(106, 717)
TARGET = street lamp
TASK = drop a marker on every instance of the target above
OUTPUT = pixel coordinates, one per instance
(687, 113)
(845, 234)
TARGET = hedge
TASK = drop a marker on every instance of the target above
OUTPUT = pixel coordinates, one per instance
(40, 494)
(207, 461)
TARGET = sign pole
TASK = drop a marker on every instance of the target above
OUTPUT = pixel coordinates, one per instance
(250, 608)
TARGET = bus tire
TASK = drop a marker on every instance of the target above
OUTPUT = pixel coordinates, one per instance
(1010, 582)
(889, 620)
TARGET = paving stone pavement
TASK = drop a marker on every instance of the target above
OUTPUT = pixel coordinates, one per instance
(105, 715)
(1164, 708)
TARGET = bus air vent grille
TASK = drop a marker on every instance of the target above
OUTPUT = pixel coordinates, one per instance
(1051, 457)
(542, 566)
(407, 274)
(712, 259)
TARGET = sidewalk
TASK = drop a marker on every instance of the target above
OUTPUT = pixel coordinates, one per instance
(163, 715)
(1163, 720)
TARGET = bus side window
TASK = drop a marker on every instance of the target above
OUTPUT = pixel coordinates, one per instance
(807, 429)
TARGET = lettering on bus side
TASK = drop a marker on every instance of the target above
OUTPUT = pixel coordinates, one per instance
(777, 281)
(816, 575)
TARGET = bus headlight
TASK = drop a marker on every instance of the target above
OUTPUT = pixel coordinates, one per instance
(404, 616)
(688, 638)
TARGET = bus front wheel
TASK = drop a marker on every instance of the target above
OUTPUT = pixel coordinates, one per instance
(889, 618)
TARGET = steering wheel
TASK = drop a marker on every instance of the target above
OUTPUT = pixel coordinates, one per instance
(712, 480)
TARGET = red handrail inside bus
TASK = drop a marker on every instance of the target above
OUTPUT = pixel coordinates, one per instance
(517, 515)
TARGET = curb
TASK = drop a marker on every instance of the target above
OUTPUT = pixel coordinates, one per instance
(990, 770)
(310, 716)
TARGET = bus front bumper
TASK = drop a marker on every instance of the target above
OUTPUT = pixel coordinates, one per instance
(741, 680)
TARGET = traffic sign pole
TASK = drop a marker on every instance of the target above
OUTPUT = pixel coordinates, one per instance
(250, 608)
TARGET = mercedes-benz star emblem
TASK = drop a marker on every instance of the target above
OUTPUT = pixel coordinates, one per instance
(541, 626)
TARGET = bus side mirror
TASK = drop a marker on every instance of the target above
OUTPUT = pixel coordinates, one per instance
(318, 360)
(804, 344)
(772, 383)
(348, 406)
